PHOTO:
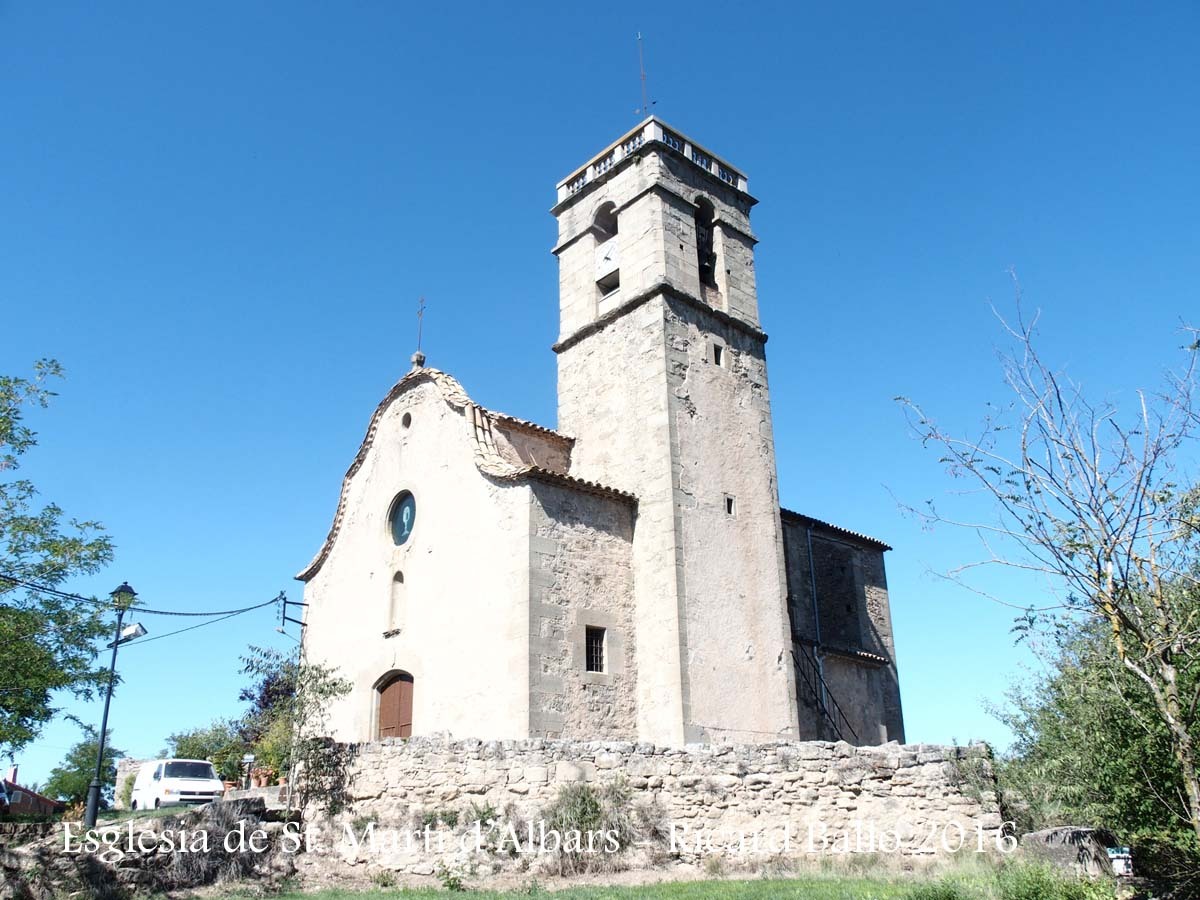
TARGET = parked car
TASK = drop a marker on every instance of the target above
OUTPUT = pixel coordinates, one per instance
(172, 782)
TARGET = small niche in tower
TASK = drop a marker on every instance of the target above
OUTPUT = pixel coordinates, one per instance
(397, 606)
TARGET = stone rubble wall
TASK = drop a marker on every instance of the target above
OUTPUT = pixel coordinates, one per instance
(126, 766)
(831, 797)
(21, 832)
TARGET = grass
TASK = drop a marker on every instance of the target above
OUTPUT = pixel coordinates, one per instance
(962, 880)
(814, 888)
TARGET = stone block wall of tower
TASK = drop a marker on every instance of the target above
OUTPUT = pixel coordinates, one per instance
(736, 637)
(654, 197)
(662, 383)
(623, 409)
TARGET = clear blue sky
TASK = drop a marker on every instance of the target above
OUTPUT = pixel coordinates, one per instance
(219, 217)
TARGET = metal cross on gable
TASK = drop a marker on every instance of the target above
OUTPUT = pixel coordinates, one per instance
(420, 321)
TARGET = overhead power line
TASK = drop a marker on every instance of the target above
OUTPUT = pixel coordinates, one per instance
(159, 637)
(141, 610)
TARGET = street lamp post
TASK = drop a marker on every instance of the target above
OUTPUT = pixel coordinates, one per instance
(123, 598)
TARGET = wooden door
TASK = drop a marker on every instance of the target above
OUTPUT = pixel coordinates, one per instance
(395, 707)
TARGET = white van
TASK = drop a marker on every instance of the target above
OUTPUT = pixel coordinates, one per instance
(170, 782)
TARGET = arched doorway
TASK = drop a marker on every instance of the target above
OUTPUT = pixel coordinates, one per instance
(395, 693)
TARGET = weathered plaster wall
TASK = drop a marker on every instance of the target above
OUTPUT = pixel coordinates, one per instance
(463, 633)
(529, 447)
(835, 790)
(862, 688)
(580, 574)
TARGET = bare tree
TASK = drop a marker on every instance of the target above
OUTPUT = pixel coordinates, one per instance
(1095, 498)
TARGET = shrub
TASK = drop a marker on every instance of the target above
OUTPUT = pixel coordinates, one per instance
(125, 795)
(481, 813)
(940, 890)
(450, 879)
(599, 818)
(1013, 881)
(385, 878)
(1169, 859)
(1025, 881)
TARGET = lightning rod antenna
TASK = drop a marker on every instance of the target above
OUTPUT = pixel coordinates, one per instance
(420, 321)
(644, 110)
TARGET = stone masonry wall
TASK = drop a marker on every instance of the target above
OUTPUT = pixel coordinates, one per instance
(714, 799)
(618, 412)
(580, 575)
(125, 768)
(855, 615)
(738, 680)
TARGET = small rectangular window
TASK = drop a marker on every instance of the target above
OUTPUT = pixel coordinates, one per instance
(730, 505)
(594, 639)
(718, 354)
(610, 283)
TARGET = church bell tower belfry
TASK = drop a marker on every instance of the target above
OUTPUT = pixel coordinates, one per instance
(662, 383)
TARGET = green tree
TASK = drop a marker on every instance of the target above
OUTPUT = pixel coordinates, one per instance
(271, 692)
(1089, 746)
(38, 543)
(219, 741)
(69, 780)
(289, 718)
(1097, 501)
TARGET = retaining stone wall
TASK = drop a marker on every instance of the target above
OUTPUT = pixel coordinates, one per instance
(826, 798)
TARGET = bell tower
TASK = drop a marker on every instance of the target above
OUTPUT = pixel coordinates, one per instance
(662, 381)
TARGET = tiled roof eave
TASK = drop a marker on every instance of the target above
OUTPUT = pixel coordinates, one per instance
(835, 529)
(526, 425)
(578, 484)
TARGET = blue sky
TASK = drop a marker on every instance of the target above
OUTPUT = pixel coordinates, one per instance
(219, 218)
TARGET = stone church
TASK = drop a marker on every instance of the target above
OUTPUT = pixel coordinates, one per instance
(629, 574)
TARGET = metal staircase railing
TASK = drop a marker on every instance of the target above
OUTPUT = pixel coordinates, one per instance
(810, 671)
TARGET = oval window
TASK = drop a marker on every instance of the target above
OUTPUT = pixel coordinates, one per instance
(403, 517)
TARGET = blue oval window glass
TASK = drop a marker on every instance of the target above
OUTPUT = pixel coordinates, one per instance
(404, 516)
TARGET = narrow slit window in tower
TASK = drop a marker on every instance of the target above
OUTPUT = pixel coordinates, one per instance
(706, 256)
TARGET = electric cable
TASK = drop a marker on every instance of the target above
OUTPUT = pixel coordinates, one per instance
(41, 588)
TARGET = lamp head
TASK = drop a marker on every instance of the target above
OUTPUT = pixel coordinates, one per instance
(124, 596)
(132, 631)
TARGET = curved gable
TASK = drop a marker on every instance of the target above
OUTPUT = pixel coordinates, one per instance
(493, 460)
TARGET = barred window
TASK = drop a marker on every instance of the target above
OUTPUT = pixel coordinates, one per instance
(594, 642)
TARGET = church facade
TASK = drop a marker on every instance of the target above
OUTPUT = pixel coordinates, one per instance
(629, 574)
